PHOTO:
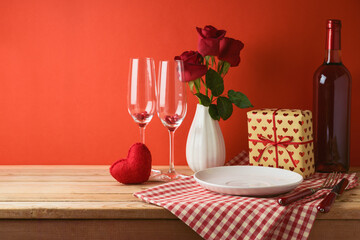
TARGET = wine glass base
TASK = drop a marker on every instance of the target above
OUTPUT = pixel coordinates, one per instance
(155, 172)
(168, 176)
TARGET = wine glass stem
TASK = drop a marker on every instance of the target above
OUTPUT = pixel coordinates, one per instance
(171, 162)
(142, 134)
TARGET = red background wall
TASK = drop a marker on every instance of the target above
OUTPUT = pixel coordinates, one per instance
(64, 69)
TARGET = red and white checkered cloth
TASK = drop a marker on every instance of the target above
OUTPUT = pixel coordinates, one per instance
(218, 216)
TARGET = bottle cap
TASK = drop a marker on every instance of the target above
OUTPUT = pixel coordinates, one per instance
(333, 27)
(333, 24)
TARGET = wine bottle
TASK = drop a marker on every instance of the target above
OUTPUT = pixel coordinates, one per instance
(332, 95)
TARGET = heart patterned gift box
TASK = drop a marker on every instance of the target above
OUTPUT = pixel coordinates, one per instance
(282, 138)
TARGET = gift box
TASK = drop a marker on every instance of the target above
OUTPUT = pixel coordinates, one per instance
(282, 138)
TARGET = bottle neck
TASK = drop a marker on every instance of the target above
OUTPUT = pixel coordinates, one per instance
(333, 56)
(333, 44)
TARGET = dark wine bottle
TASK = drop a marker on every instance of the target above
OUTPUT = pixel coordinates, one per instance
(332, 95)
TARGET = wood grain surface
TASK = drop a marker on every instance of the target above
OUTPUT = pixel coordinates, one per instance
(87, 196)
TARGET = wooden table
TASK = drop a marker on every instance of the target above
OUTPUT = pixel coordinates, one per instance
(85, 202)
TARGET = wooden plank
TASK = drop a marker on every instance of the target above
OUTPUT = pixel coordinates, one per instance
(342, 210)
(92, 196)
(335, 230)
(20, 189)
(67, 197)
(125, 209)
(90, 192)
(68, 170)
(44, 178)
(57, 178)
(72, 187)
(141, 229)
(96, 230)
(82, 210)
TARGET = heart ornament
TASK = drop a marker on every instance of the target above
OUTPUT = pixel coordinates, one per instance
(134, 169)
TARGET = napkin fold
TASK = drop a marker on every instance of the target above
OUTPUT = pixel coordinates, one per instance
(219, 216)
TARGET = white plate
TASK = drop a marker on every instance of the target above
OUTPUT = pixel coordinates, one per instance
(248, 180)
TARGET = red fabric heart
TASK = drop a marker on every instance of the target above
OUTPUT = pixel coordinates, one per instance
(136, 168)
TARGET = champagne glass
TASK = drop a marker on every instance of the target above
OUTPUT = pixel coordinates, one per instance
(171, 106)
(141, 94)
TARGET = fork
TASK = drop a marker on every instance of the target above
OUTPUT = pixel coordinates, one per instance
(329, 182)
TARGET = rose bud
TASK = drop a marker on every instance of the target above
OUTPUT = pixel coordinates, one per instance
(209, 38)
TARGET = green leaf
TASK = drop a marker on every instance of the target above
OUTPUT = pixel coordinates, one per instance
(225, 66)
(197, 83)
(219, 66)
(224, 107)
(214, 112)
(214, 82)
(205, 100)
(191, 85)
(207, 60)
(239, 99)
(213, 61)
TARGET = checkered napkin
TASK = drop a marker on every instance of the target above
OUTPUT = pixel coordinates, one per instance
(219, 216)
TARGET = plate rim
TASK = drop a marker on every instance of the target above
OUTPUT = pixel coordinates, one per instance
(237, 187)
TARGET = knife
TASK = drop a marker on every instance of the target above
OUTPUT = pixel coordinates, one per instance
(326, 203)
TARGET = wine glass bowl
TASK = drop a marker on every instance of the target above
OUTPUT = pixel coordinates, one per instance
(142, 118)
(141, 92)
(172, 122)
(171, 105)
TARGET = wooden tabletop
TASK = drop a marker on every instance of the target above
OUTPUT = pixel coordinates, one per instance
(63, 195)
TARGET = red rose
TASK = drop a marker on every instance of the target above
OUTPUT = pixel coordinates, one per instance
(230, 51)
(209, 39)
(193, 67)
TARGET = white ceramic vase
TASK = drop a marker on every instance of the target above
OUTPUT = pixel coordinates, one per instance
(205, 146)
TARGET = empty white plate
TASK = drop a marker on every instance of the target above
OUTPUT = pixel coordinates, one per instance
(248, 180)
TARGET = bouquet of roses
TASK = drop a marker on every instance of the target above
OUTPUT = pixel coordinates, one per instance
(216, 54)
